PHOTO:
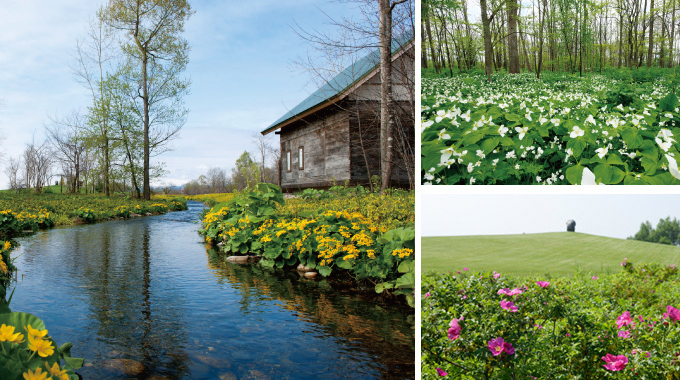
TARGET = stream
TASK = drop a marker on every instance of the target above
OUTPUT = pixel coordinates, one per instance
(146, 299)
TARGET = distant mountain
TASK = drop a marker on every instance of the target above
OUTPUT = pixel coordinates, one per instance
(160, 188)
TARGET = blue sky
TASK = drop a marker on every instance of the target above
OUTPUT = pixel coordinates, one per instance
(241, 66)
(613, 215)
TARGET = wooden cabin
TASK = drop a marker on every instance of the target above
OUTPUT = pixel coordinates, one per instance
(333, 135)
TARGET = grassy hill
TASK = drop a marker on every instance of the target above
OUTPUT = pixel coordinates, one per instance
(558, 253)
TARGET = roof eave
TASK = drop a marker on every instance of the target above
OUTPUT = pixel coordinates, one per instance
(358, 82)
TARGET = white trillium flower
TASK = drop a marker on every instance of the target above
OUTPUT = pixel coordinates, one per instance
(470, 167)
(665, 145)
(556, 122)
(673, 166)
(503, 130)
(522, 131)
(590, 119)
(426, 124)
(542, 120)
(666, 134)
(601, 152)
(466, 116)
(443, 135)
(576, 132)
(588, 178)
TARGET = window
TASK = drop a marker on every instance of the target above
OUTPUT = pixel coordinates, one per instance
(288, 160)
(301, 158)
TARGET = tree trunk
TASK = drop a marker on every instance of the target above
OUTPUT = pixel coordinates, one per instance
(429, 36)
(662, 51)
(513, 51)
(488, 49)
(423, 43)
(524, 47)
(651, 33)
(145, 89)
(540, 40)
(386, 117)
(672, 39)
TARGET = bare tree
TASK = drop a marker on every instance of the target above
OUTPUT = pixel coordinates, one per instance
(92, 59)
(38, 160)
(263, 147)
(12, 171)
(65, 136)
(217, 180)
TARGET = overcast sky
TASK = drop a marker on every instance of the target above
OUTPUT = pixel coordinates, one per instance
(241, 66)
(610, 215)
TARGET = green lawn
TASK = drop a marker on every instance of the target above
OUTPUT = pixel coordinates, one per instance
(557, 253)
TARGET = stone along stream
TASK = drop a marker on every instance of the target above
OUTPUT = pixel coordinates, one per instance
(143, 299)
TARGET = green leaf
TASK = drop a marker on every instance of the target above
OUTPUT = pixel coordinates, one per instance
(74, 363)
(406, 266)
(383, 285)
(512, 117)
(632, 137)
(649, 164)
(406, 281)
(574, 174)
(344, 264)
(577, 146)
(614, 159)
(489, 145)
(325, 270)
(669, 102)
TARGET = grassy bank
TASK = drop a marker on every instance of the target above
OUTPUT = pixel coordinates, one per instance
(560, 253)
(41, 211)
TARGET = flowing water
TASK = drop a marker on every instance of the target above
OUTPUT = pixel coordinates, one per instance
(147, 291)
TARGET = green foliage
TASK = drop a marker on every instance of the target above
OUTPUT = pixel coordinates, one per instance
(521, 130)
(667, 231)
(259, 223)
(559, 331)
(17, 356)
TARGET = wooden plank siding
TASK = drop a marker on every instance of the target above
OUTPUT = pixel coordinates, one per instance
(364, 120)
(326, 152)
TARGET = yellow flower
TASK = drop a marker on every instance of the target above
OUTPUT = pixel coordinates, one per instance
(35, 332)
(3, 267)
(37, 375)
(44, 348)
(56, 371)
(7, 334)
(8, 245)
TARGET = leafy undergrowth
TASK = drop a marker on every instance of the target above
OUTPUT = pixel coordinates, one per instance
(489, 326)
(559, 130)
(326, 234)
(43, 211)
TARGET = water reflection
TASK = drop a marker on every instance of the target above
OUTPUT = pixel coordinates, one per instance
(144, 290)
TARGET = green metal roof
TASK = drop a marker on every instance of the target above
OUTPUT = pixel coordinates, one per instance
(342, 81)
